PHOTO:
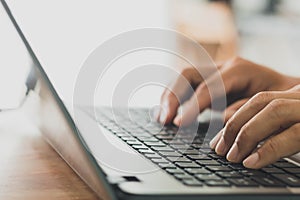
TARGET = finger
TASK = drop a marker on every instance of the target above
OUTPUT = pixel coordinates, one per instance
(278, 114)
(181, 88)
(230, 110)
(215, 140)
(156, 114)
(296, 88)
(215, 87)
(282, 145)
(244, 114)
(172, 95)
(168, 108)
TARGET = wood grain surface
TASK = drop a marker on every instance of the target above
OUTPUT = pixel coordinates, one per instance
(30, 168)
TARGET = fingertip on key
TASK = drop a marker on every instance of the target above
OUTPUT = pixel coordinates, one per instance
(162, 117)
(251, 161)
(220, 147)
(214, 142)
(177, 120)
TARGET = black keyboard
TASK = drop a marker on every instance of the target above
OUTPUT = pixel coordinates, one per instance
(188, 158)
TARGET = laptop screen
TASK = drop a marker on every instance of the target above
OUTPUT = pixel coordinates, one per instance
(43, 106)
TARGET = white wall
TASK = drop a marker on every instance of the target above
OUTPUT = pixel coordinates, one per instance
(63, 33)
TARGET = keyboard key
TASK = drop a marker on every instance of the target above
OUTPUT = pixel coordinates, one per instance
(187, 165)
(163, 148)
(189, 151)
(285, 165)
(293, 170)
(288, 179)
(179, 159)
(170, 130)
(236, 166)
(148, 139)
(159, 160)
(199, 157)
(220, 183)
(170, 153)
(137, 146)
(197, 146)
(223, 161)
(268, 181)
(183, 176)
(215, 156)
(206, 144)
(252, 172)
(192, 182)
(198, 171)
(166, 137)
(206, 151)
(219, 168)
(167, 165)
(232, 174)
(153, 131)
(207, 177)
(128, 138)
(179, 146)
(245, 182)
(196, 141)
(208, 162)
(152, 155)
(141, 135)
(175, 171)
(172, 142)
(121, 133)
(274, 170)
(155, 144)
(148, 151)
(162, 132)
(134, 142)
(185, 136)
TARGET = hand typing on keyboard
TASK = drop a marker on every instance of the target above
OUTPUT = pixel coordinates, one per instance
(265, 107)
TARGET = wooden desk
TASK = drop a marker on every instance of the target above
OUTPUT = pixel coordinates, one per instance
(30, 168)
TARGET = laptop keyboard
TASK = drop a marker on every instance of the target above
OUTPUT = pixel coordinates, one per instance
(192, 163)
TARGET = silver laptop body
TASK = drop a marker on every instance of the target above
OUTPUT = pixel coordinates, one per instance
(113, 173)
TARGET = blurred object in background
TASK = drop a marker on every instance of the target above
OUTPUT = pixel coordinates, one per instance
(264, 31)
(211, 24)
(269, 32)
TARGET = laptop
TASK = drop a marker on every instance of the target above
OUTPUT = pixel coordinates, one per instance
(136, 158)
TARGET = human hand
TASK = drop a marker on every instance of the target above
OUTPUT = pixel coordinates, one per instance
(272, 117)
(241, 79)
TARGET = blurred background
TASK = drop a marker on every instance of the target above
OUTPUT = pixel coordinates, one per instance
(265, 31)
(63, 33)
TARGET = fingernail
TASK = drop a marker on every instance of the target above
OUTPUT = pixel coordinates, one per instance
(177, 120)
(164, 112)
(251, 161)
(214, 141)
(233, 153)
(220, 148)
